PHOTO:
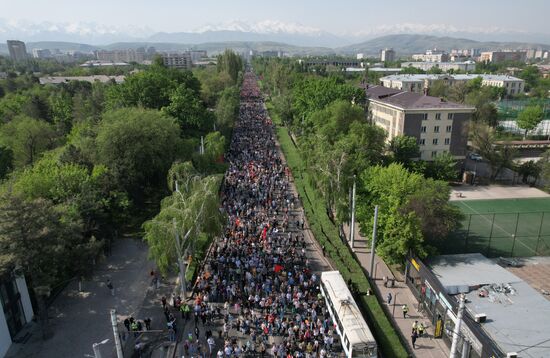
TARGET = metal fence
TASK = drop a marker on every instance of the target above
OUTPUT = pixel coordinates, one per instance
(501, 235)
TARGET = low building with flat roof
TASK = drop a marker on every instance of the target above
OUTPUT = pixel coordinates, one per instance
(438, 125)
(55, 80)
(465, 66)
(422, 82)
(503, 313)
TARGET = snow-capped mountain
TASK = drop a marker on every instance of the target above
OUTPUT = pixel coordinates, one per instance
(265, 30)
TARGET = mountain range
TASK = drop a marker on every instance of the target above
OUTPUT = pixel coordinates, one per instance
(217, 41)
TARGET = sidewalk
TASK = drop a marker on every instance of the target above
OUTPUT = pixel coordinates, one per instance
(79, 319)
(426, 347)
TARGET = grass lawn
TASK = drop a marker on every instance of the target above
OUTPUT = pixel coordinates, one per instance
(503, 227)
(326, 233)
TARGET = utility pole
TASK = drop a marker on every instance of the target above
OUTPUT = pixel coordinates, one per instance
(118, 345)
(373, 245)
(456, 332)
(352, 226)
(202, 146)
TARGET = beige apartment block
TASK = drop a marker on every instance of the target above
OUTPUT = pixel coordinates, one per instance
(438, 125)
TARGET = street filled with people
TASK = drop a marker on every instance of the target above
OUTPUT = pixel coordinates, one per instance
(258, 293)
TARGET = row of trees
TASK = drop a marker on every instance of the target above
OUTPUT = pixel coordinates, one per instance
(327, 117)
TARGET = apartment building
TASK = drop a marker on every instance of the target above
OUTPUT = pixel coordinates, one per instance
(502, 56)
(465, 66)
(178, 60)
(432, 56)
(438, 125)
(422, 82)
(387, 55)
(17, 50)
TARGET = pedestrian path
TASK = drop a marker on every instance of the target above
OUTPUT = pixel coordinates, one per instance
(427, 346)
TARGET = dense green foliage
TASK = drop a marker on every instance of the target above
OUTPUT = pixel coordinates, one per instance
(82, 162)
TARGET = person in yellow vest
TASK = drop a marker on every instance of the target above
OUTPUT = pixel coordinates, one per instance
(405, 310)
(415, 326)
(421, 329)
(184, 309)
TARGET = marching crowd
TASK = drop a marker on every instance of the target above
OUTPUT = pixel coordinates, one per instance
(258, 280)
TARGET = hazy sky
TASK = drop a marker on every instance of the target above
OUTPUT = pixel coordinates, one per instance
(332, 16)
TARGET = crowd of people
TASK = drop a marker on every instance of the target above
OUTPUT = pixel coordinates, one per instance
(258, 281)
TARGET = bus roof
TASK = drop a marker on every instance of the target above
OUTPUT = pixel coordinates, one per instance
(355, 326)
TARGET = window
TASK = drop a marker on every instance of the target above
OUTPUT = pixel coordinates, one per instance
(436, 129)
(422, 141)
(434, 154)
(424, 116)
(513, 84)
(449, 129)
(423, 129)
(449, 115)
(438, 116)
(447, 141)
(512, 91)
(434, 141)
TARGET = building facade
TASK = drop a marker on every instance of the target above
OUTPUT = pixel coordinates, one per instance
(502, 56)
(438, 125)
(387, 55)
(16, 309)
(177, 60)
(465, 66)
(422, 82)
(432, 56)
(17, 50)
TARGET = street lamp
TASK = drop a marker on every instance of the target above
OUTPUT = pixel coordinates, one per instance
(95, 347)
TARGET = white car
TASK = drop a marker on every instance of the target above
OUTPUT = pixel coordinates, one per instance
(475, 156)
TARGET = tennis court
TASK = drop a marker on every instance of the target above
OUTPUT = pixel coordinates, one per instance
(502, 227)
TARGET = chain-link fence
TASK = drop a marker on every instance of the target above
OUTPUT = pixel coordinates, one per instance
(502, 234)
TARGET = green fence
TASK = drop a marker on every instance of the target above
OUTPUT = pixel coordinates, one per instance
(502, 234)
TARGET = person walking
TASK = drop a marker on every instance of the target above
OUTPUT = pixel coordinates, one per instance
(414, 336)
(211, 344)
(405, 310)
(415, 326)
(389, 298)
(111, 287)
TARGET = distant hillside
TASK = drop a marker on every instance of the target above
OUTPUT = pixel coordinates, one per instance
(409, 44)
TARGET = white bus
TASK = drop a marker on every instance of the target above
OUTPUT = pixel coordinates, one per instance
(357, 339)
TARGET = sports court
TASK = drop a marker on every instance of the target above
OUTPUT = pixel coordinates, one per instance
(503, 227)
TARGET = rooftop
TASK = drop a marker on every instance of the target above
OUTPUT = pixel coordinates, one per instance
(91, 79)
(422, 77)
(410, 100)
(517, 315)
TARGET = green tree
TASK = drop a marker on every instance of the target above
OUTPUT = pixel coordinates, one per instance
(484, 141)
(404, 149)
(138, 146)
(529, 169)
(529, 118)
(27, 138)
(230, 63)
(444, 168)
(189, 110)
(191, 211)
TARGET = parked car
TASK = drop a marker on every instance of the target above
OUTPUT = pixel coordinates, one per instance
(475, 156)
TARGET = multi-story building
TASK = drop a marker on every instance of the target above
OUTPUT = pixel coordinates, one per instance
(197, 55)
(432, 56)
(422, 82)
(15, 308)
(387, 55)
(502, 56)
(465, 66)
(40, 53)
(177, 60)
(439, 126)
(139, 55)
(17, 50)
